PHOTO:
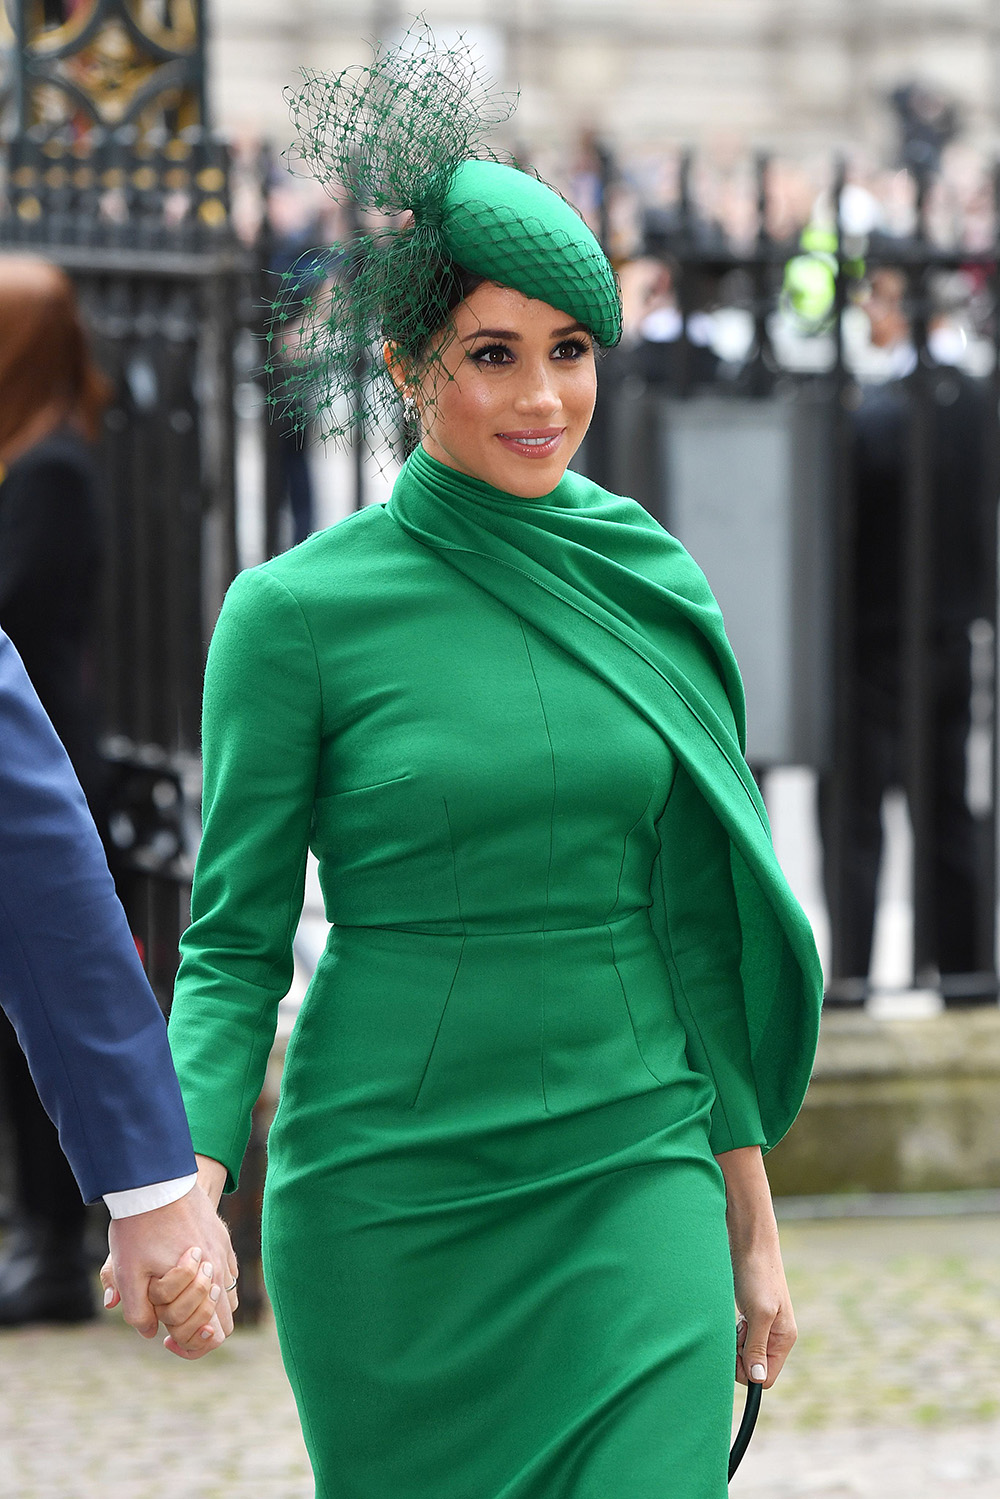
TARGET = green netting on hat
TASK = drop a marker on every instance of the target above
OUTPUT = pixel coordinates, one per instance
(390, 134)
(512, 228)
(403, 141)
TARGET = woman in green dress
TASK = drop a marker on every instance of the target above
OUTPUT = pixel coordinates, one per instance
(567, 998)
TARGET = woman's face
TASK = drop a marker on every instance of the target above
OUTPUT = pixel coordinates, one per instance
(510, 393)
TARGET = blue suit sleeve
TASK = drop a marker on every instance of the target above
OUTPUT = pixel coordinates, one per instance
(70, 977)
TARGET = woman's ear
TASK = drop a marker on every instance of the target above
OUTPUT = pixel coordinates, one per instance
(395, 364)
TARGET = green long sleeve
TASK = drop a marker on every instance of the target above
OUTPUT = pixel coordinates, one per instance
(696, 921)
(261, 743)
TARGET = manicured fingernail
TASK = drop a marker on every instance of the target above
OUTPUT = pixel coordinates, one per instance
(758, 1373)
(206, 1270)
(206, 1332)
(196, 1255)
(109, 1296)
(215, 1293)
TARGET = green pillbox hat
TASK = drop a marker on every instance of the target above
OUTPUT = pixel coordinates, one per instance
(503, 224)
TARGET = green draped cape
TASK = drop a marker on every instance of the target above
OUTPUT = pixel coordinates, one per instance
(601, 578)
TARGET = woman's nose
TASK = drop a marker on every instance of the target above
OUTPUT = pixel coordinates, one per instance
(538, 394)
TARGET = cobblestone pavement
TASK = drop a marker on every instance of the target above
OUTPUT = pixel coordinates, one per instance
(892, 1392)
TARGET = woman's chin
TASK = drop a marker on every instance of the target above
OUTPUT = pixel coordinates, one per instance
(528, 478)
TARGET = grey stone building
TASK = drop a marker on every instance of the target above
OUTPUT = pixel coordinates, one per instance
(797, 76)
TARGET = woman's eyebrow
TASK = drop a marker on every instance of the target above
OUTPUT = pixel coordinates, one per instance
(511, 337)
(505, 333)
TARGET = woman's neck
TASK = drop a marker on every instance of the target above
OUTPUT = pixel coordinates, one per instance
(449, 474)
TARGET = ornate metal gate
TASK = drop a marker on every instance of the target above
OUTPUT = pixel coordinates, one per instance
(113, 173)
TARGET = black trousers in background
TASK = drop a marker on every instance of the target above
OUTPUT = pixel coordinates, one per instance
(44, 1188)
(879, 765)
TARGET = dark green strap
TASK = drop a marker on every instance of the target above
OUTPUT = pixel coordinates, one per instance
(750, 1413)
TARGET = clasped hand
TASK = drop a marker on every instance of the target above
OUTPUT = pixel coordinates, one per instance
(174, 1265)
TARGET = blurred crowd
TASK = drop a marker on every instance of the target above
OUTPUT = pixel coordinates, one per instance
(662, 208)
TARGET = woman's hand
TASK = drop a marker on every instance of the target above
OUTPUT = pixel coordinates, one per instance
(212, 1178)
(185, 1300)
(766, 1331)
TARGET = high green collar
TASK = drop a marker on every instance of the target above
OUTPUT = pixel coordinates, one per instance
(450, 484)
(601, 555)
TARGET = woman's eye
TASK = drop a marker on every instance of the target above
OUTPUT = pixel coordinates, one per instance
(571, 348)
(491, 354)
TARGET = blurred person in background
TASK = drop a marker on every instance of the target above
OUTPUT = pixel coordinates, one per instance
(295, 222)
(881, 458)
(927, 121)
(51, 399)
(654, 333)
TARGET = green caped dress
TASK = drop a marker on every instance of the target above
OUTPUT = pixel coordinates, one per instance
(564, 971)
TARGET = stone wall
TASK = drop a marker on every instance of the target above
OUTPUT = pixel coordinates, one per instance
(898, 1106)
(799, 76)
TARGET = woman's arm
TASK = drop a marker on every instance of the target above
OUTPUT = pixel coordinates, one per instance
(767, 1329)
(261, 737)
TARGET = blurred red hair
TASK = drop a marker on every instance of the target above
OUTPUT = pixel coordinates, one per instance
(45, 364)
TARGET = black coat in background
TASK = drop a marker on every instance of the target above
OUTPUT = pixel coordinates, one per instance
(50, 559)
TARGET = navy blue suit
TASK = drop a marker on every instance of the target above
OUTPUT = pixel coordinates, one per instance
(70, 977)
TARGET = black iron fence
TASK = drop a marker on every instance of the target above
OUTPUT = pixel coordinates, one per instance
(758, 463)
(163, 325)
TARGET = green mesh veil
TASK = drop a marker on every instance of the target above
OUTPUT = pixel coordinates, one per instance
(403, 143)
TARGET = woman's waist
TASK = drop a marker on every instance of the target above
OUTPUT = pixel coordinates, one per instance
(565, 935)
(485, 888)
(509, 1024)
(606, 969)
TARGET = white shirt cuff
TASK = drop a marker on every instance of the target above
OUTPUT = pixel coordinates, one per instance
(145, 1199)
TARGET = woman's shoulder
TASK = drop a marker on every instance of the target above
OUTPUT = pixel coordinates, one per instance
(650, 547)
(62, 449)
(350, 558)
(350, 539)
(59, 463)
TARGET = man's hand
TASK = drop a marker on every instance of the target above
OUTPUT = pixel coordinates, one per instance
(150, 1244)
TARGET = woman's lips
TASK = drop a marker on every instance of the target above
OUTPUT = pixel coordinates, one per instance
(537, 442)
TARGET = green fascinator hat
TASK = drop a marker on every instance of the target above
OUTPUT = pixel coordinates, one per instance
(401, 142)
(505, 225)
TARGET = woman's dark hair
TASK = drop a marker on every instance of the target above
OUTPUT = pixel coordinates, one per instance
(426, 308)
